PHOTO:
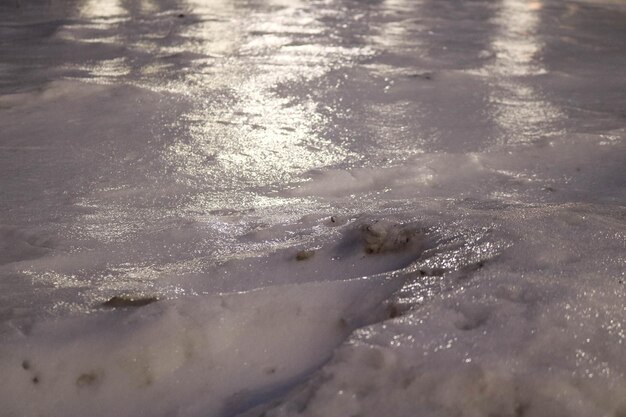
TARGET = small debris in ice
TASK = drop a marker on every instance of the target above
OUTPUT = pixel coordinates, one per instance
(122, 302)
(335, 220)
(422, 75)
(432, 272)
(392, 311)
(87, 379)
(303, 255)
(343, 323)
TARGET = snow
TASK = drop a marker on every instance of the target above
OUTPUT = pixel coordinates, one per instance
(325, 208)
(203, 355)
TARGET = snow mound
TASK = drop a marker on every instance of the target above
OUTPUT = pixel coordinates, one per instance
(187, 357)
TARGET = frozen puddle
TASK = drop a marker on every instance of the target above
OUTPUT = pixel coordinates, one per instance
(195, 356)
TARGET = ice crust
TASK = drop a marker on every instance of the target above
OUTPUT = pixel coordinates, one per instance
(345, 208)
(530, 334)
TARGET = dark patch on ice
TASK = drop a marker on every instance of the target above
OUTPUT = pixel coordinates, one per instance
(432, 272)
(428, 76)
(521, 409)
(88, 378)
(27, 367)
(124, 302)
(303, 255)
(394, 310)
(343, 323)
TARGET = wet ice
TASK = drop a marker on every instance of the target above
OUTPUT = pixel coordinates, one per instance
(338, 208)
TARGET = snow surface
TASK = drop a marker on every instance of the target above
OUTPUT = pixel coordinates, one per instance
(330, 208)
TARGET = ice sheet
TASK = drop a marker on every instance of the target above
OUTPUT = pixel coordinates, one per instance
(388, 207)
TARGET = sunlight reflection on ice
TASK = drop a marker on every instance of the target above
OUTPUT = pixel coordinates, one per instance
(255, 135)
(519, 109)
(102, 8)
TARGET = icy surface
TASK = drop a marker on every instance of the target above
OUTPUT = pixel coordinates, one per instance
(329, 208)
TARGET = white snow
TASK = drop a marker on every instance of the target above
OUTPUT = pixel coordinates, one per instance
(344, 208)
